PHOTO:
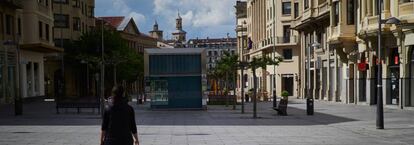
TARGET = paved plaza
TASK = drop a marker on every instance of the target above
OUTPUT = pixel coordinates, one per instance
(219, 125)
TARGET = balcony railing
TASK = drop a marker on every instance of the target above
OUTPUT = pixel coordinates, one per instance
(406, 7)
(13, 3)
(323, 8)
(286, 40)
(245, 51)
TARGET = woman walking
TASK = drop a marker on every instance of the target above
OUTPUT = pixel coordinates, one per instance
(118, 125)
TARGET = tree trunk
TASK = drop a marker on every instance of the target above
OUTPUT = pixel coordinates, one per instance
(234, 90)
(226, 92)
(254, 93)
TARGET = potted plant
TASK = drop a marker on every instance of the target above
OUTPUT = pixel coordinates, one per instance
(285, 95)
(282, 107)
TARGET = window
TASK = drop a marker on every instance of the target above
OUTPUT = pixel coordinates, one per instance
(287, 54)
(47, 32)
(209, 53)
(305, 4)
(83, 27)
(47, 2)
(76, 3)
(336, 13)
(61, 1)
(61, 21)
(286, 7)
(76, 24)
(91, 12)
(82, 8)
(350, 12)
(9, 24)
(296, 10)
(40, 30)
(19, 26)
(320, 40)
(286, 34)
(406, 1)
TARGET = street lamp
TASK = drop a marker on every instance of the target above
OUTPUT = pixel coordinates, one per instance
(87, 76)
(102, 94)
(242, 65)
(309, 99)
(18, 103)
(380, 105)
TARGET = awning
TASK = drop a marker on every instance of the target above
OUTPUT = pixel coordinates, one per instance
(41, 47)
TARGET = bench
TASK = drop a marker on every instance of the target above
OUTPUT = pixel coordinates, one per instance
(78, 104)
(282, 107)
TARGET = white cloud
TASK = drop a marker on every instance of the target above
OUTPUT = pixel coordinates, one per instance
(138, 18)
(197, 13)
(121, 8)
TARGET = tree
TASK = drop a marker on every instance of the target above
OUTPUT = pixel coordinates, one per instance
(228, 65)
(117, 54)
(256, 63)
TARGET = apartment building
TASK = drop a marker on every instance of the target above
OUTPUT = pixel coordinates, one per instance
(269, 28)
(397, 57)
(281, 41)
(321, 64)
(26, 31)
(341, 39)
(9, 32)
(71, 18)
(215, 48)
(241, 33)
(129, 31)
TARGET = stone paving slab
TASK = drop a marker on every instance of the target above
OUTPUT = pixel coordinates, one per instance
(332, 124)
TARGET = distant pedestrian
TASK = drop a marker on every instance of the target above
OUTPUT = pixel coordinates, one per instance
(118, 125)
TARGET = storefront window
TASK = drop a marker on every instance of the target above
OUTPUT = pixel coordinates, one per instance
(159, 92)
(410, 98)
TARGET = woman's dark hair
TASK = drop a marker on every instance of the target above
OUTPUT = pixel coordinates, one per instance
(118, 94)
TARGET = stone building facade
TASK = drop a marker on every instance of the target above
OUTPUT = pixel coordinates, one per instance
(215, 48)
(26, 31)
(71, 18)
(269, 24)
(337, 41)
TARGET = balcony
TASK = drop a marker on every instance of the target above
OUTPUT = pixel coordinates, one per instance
(15, 4)
(245, 51)
(406, 7)
(323, 8)
(284, 40)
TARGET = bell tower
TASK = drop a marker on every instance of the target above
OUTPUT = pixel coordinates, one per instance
(179, 34)
(156, 33)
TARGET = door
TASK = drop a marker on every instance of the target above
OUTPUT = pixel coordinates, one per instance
(287, 84)
(394, 85)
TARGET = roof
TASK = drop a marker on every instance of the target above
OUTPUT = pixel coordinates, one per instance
(119, 22)
(115, 21)
(213, 40)
(174, 51)
(179, 32)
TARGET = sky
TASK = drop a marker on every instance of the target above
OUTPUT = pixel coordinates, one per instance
(201, 18)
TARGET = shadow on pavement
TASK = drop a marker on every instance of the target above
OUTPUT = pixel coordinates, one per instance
(44, 113)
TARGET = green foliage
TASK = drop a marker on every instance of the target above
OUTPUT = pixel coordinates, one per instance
(285, 94)
(116, 52)
(262, 62)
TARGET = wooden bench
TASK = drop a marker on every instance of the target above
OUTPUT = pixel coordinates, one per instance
(78, 104)
(282, 107)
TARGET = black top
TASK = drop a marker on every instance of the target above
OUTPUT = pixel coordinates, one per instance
(119, 123)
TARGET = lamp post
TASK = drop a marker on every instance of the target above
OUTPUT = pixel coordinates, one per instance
(18, 103)
(87, 76)
(380, 105)
(242, 66)
(102, 94)
(309, 99)
(273, 81)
